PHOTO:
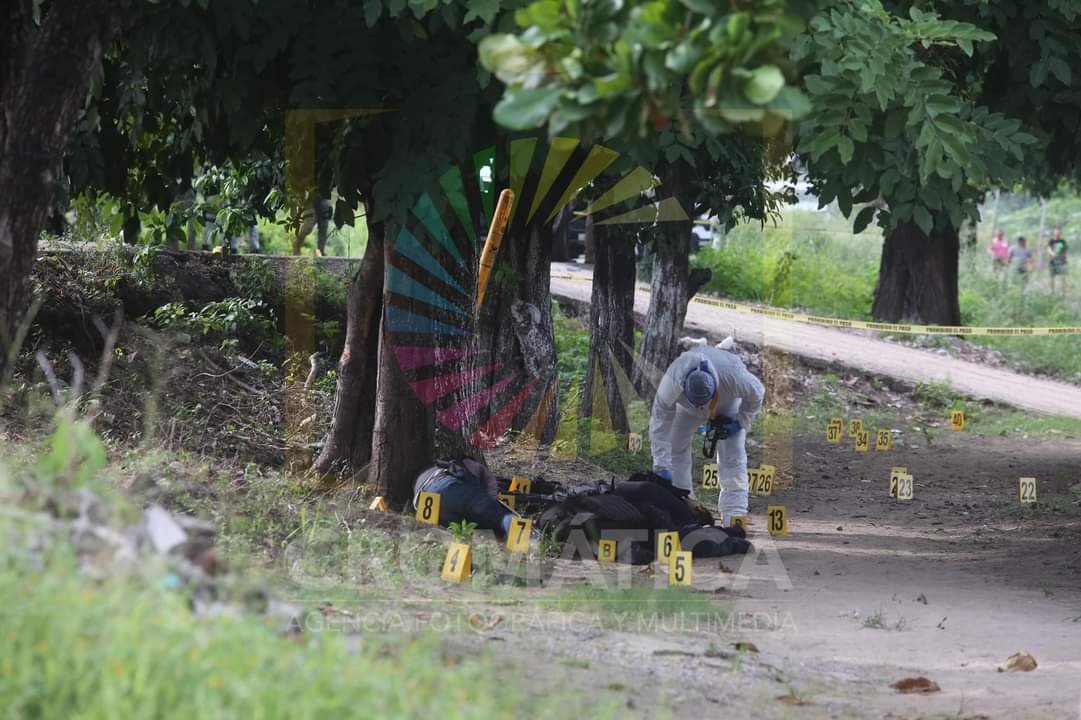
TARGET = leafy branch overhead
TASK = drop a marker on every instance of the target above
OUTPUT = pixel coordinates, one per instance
(895, 119)
(608, 68)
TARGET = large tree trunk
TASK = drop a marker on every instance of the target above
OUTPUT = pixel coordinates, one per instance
(917, 278)
(590, 241)
(403, 436)
(348, 445)
(668, 290)
(44, 73)
(517, 330)
(415, 418)
(611, 323)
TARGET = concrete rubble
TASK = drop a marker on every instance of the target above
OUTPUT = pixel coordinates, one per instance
(175, 550)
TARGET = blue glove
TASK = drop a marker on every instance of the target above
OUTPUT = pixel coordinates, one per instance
(663, 473)
(731, 428)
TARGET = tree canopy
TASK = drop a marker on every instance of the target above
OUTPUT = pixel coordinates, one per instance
(602, 69)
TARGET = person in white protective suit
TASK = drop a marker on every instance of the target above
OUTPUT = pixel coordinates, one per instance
(704, 384)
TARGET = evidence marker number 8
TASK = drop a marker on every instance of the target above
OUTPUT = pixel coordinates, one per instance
(428, 508)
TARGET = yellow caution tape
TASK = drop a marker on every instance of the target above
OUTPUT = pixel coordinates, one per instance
(907, 329)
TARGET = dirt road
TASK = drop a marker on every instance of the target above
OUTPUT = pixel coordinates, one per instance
(863, 592)
(856, 349)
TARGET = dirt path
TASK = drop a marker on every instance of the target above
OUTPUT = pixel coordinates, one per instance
(947, 586)
(861, 350)
(863, 592)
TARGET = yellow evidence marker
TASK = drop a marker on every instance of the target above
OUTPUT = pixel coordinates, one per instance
(835, 431)
(863, 441)
(778, 520)
(606, 551)
(634, 443)
(957, 420)
(740, 521)
(760, 481)
(905, 489)
(667, 546)
(428, 508)
(518, 535)
(380, 504)
(520, 484)
(855, 427)
(458, 565)
(710, 479)
(1026, 490)
(766, 478)
(895, 475)
(883, 439)
(507, 500)
(679, 568)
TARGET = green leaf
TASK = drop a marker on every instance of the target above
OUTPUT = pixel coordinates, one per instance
(846, 148)
(1037, 75)
(764, 84)
(706, 7)
(612, 84)
(923, 219)
(816, 85)
(682, 57)
(864, 219)
(895, 124)
(1060, 70)
(545, 14)
(790, 103)
(507, 56)
(889, 181)
(526, 109)
(372, 10)
(844, 200)
(966, 46)
(905, 192)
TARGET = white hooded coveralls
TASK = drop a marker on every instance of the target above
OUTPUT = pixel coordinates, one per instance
(675, 420)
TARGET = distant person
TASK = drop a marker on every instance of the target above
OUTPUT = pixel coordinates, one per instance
(1020, 260)
(1057, 248)
(1000, 250)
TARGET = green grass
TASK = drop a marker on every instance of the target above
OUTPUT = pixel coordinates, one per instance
(1020, 215)
(346, 241)
(786, 264)
(632, 601)
(813, 262)
(129, 649)
(128, 645)
(587, 438)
